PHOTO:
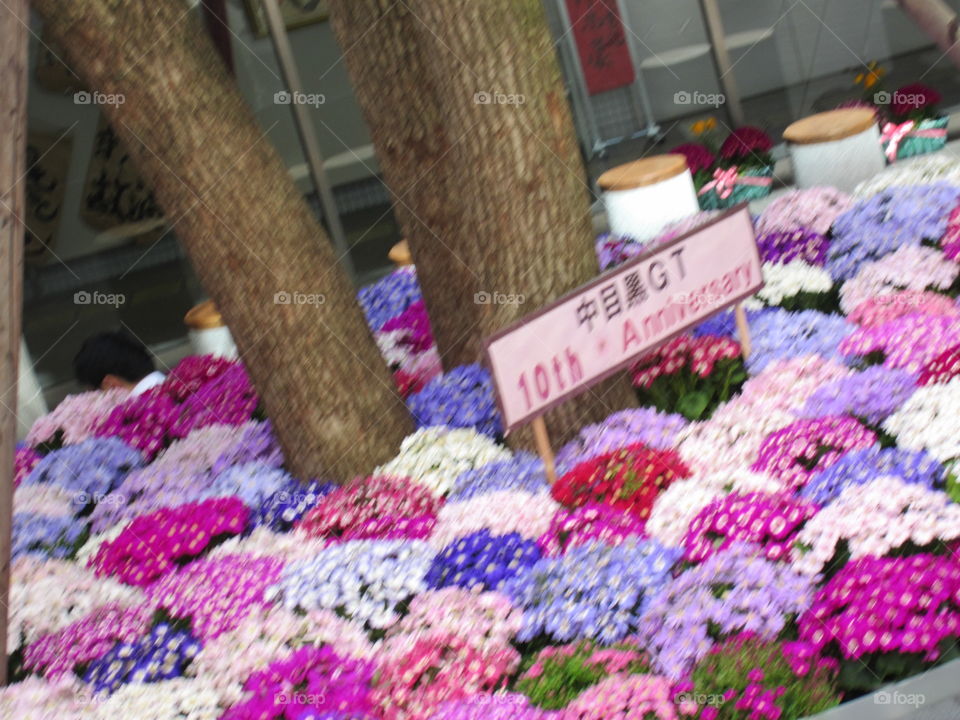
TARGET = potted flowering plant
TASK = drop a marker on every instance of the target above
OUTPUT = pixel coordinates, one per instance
(917, 126)
(743, 171)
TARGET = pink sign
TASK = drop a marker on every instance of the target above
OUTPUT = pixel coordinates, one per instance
(604, 326)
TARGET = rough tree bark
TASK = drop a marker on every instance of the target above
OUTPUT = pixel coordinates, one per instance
(472, 129)
(938, 21)
(13, 147)
(247, 230)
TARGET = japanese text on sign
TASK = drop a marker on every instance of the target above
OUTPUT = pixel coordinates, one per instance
(608, 323)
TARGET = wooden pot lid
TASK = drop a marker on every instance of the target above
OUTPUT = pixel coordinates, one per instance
(400, 253)
(830, 126)
(642, 172)
(204, 316)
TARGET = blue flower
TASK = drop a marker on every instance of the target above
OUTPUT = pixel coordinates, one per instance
(780, 335)
(287, 505)
(163, 654)
(389, 296)
(52, 537)
(482, 560)
(461, 398)
(861, 466)
(595, 591)
(523, 472)
(91, 469)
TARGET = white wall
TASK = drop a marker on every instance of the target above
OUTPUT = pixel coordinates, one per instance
(809, 39)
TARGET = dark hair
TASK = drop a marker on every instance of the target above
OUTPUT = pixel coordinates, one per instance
(111, 353)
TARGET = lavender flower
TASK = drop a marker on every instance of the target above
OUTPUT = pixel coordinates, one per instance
(524, 472)
(871, 395)
(252, 482)
(594, 591)
(861, 466)
(890, 219)
(257, 444)
(148, 489)
(779, 335)
(782, 247)
(637, 425)
(461, 398)
(735, 590)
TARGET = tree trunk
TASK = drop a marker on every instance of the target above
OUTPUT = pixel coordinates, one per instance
(938, 21)
(253, 241)
(13, 146)
(472, 129)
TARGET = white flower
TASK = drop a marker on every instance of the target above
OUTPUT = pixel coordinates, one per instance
(929, 421)
(786, 280)
(436, 456)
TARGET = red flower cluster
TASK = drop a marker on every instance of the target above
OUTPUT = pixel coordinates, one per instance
(698, 156)
(942, 369)
(366, 505)
(628, 479)
(147, 547)
(699, 354)
(744, 142)
(912, 98)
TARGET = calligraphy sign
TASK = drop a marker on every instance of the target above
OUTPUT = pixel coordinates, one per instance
(114, 193)
(601, 44)
(604, 326)
(48, 161)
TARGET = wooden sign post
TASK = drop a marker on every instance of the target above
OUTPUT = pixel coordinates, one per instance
(13, 147)
(604, 326)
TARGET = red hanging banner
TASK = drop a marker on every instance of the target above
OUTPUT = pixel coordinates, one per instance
(601, 43)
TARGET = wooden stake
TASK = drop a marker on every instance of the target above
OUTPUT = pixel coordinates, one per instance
(743, 329)
(543, 447)
(13, 148)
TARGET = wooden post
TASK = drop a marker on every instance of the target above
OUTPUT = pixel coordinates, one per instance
(543, 447)
(14, 19)
(308, 136)
(721, 56)
(743, 329)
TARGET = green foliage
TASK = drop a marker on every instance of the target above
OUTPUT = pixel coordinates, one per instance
(556, 676)
(693, 396)
(728, 669)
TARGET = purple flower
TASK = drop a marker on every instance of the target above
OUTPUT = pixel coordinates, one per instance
(871, 395)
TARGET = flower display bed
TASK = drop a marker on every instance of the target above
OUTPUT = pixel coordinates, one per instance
(770, 537)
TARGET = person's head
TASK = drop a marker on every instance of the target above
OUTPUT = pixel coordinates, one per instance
(112, 360)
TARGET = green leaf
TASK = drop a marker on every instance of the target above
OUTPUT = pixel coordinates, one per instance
(692, 405)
